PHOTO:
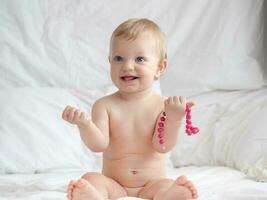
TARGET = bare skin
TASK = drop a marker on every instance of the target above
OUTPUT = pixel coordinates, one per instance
(141, 168)
(124, 127)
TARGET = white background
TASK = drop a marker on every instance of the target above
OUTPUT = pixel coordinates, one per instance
(212, 44)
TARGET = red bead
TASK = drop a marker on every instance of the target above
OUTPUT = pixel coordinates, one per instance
(188, 131)
(164, 114)
(161, 141)
(162, 119)
(161, 124)
(160, 129)
(188, 126)
(194, 130)
(160, 135)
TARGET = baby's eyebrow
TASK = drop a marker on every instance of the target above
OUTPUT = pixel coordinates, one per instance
(140, 52)
(115, 53)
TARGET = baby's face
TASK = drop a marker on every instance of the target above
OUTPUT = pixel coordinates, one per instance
(134, 64)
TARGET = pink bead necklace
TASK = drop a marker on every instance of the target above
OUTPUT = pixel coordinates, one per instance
(189, 128)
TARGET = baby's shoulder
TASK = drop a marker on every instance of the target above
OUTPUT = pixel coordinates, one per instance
(104, 101)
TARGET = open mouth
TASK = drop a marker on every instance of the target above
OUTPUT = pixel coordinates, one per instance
(129, 78)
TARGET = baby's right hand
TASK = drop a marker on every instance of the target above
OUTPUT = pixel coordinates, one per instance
(75, 116)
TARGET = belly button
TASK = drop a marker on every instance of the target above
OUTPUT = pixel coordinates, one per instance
(134, 172)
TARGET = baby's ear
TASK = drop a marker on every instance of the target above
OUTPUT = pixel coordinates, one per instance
(161, 68)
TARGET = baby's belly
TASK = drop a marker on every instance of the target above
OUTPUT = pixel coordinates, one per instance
(132, 171)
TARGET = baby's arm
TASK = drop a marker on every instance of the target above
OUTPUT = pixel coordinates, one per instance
(175, 112)
(94, 132)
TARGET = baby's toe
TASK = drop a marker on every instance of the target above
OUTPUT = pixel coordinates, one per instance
(181, 180)
(70, 189)
(72, 184)
(69, 196)
(194, 193)
(189, 184)
(192, 188)
(69, 193)
(81, 183)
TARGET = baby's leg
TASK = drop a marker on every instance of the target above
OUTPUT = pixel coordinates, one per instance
(95, 186)
(167, 189)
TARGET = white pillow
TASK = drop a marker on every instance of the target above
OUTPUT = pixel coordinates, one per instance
(194, 75)
(230, 123)
(33, 136)
(238, 128)
(250, 153)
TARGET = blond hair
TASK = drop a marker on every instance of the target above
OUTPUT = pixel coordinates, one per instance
(133, 28)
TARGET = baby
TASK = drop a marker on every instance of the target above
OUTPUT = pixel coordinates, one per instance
(124, 125)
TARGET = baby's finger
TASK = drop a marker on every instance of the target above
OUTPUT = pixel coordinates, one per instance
(167, 101)
(82, 116)
(65, 112)
(171, 100)
(176, 99)
(70, 114)
(182, 100)
(77, 114)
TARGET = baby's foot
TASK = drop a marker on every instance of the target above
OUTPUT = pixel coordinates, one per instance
(83, 190)
(182, 189)
(183, 181)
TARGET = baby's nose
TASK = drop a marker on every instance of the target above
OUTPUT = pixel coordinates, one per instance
(128, 65)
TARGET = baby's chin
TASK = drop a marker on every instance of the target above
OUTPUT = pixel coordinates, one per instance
(133, 90)
(128, 90)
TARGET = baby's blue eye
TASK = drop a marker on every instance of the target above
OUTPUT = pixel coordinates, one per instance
(117, 58)
(140, 59)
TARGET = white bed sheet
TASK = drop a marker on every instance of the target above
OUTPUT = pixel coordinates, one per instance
(213, 183)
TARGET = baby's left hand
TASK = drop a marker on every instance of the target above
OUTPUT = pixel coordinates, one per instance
(175, 107)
